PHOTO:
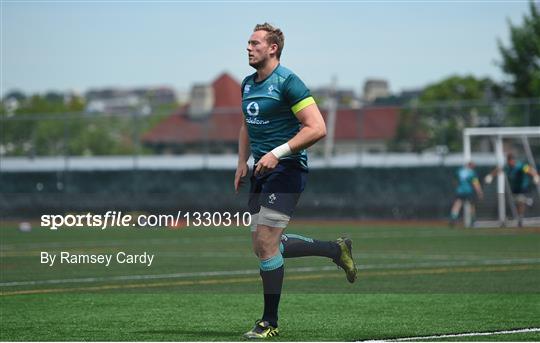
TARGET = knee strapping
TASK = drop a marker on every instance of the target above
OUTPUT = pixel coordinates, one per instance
(254, 222)
(273, 218)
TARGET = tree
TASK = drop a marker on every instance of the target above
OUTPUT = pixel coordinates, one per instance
(443, 110)
(521, 59)
(458, 88)
(15, 94)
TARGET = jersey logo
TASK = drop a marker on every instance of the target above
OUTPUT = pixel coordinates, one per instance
(271, 198)
(253, 109)
(246, 89)
(270, 89)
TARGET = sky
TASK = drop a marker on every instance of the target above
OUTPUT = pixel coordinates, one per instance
(78, 45)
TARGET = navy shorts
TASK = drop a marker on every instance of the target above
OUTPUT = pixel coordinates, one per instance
(278, 189)
(466, 197)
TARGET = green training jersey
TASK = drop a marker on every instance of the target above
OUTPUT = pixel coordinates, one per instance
(269, 108)
(518, 178)
(467, 178)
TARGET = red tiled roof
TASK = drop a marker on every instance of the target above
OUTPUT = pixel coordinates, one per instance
(367, 123)
(226, 92)
(180, 129)
(379, 122)
(347, 126)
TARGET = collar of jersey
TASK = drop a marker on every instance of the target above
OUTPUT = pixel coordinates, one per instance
(266, 78)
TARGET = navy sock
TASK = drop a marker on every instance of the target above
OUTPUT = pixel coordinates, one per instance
(299, 246)
(272, 282)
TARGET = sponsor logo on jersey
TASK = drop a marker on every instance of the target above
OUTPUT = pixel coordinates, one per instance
(252, 109)
(270, 89)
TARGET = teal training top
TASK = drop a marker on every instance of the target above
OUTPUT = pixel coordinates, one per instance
(269, 108)
(466, 178)
(518, 178)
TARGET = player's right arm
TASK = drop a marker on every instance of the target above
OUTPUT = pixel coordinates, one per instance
(478, 188)
(242, 168)
(489, 177)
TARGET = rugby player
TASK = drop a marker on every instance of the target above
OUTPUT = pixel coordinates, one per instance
(281, 120)
(468, 184)
(519, 176)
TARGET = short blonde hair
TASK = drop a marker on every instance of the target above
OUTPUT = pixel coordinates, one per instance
(273, 36)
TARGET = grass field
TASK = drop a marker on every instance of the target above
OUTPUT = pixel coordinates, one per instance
(416, 280)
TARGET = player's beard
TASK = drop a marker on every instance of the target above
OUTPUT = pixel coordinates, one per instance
(259, 64)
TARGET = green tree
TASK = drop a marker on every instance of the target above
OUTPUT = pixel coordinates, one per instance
(443, 110)
(521, 59)
(16, 94)
(458, 88)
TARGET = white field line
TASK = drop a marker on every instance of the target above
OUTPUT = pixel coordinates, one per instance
(254, 271)
(469, 334)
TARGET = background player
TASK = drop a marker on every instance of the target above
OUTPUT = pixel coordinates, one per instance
(468, 184)
(281, 121)
(519, 176)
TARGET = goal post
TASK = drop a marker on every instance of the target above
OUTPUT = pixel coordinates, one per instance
(498, 136)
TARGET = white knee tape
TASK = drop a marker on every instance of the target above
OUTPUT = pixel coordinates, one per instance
(254, 222)
(273, 218)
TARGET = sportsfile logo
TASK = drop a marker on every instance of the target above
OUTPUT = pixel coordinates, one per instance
(109, 219)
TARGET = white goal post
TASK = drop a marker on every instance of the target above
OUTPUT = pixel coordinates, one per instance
(498, 134)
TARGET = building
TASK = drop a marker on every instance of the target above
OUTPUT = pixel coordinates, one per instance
(375, 88)
(140, 101)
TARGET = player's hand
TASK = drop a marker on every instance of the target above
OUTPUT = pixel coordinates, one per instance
(240, 176)
(266, 163)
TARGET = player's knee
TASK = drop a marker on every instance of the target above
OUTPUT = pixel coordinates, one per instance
(265, 248)
(273, 218)
(260, 246)
(267, 251)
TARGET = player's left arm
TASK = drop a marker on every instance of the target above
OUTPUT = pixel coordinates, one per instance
(532, 172)
(313, 129)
